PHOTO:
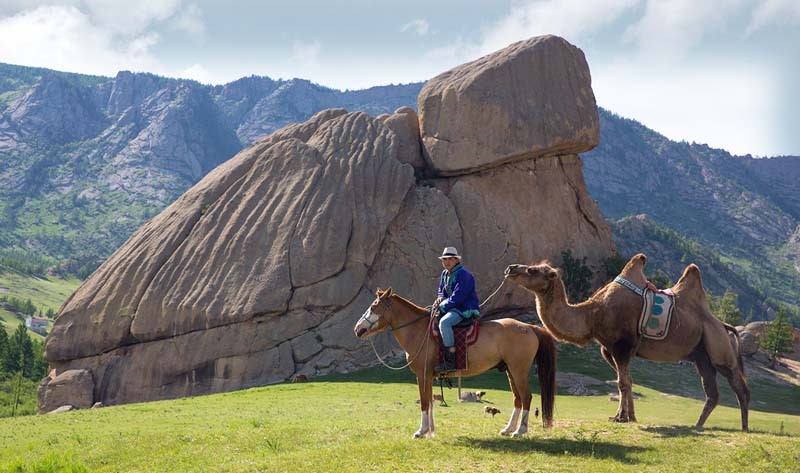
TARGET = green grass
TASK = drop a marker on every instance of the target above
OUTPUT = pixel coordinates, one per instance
(364, 422)
(49, 292)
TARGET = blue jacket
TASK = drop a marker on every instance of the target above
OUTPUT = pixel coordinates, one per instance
(457, 289)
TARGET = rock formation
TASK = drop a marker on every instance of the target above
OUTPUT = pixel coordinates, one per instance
(258, 272)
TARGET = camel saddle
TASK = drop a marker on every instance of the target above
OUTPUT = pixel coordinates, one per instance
(656, 311)
(465, 334)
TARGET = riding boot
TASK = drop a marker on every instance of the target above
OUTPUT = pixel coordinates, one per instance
(449, 362)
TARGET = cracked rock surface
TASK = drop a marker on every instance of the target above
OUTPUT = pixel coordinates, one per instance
(259, 272)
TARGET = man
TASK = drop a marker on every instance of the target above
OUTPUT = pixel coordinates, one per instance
(457, 300)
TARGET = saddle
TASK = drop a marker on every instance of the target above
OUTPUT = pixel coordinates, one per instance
(465, 334)
(657, 308)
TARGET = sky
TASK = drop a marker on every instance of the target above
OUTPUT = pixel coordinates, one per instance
(720, 72)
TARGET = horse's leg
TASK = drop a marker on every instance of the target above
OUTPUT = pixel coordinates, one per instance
(622, 353)
(524, 392)
(512, 422)
(425, 385)
(431, 425)
(708, 375)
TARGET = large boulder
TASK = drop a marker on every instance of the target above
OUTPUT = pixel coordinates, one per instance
(533, 98)
(748, 343)
(259, 272)
(74, 387)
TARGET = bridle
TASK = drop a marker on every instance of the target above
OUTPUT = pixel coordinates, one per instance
(388, 303)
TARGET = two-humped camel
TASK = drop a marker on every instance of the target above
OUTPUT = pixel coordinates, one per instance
(611, 318)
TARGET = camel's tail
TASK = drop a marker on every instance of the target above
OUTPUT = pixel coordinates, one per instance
(546, 368)
(735, 333)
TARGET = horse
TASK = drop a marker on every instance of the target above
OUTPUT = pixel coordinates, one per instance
(505, 343)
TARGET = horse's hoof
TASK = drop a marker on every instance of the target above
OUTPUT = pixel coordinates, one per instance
(519, 433)
(618, 419)
(419, 435)
(505, 432)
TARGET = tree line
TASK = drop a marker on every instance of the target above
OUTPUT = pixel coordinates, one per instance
(777, 339)
(26, 307)
(19, 354)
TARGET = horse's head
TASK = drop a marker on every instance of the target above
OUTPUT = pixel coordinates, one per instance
(374, 319)
(536, 278)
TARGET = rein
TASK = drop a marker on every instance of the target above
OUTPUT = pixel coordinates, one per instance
(419, 350)
(494, 293)
(426, 337)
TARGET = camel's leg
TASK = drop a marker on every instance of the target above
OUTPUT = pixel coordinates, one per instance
(622, 353)
(514, 420)
(708, 375)
(738, 384)
(606, 353)
(425, 385)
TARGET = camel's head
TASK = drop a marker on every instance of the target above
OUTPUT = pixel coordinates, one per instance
(374, 319)
(536, 278)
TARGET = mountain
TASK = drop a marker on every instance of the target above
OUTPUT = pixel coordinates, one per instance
(85, 160)
(742, 209)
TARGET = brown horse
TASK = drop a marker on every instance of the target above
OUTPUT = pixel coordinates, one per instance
(504, 341)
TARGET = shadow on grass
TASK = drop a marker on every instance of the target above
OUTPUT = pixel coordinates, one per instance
(670, 431)
(586, 447)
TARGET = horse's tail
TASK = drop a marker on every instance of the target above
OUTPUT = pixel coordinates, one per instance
(546, 369)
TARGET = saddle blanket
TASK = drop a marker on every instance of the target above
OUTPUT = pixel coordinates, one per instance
(464, 336)
(656, 312)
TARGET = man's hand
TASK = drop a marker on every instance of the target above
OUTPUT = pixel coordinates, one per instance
(436, 304)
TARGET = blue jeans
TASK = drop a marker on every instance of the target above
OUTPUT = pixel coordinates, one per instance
(446, 324)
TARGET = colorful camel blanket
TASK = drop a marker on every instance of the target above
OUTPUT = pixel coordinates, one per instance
(656, 310)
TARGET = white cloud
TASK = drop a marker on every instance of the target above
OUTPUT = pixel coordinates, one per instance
(774, 12)
(191, 21)
(199, 73)
(307, 54)
(572, 19)
(724, 105)
(420, 26)
(129, 18)
(64, 38)
(668, 30)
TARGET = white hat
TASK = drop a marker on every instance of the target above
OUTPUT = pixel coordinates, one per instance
(450, 252)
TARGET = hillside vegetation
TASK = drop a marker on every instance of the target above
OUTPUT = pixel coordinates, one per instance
(85, 160)
(363, 422)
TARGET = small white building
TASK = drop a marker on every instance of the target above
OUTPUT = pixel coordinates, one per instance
(37, 324)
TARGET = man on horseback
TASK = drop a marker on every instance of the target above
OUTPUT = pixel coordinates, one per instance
(457, 300)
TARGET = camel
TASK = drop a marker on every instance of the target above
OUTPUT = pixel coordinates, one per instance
(610, 317)
(502, 342)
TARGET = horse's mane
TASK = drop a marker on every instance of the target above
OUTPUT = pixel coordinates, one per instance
(410, 304)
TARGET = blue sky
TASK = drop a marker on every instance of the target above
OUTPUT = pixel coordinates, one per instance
(722, 72)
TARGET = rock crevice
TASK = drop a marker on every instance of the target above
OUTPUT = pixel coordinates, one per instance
(259, 271)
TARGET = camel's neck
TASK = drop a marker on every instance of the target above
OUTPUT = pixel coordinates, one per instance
(571, 323)
(409, 322)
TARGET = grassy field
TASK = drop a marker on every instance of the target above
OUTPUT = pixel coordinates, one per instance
(364, 422)
(45, 293)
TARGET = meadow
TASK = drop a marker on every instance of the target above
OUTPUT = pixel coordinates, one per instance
(364, 422)
(45, 293)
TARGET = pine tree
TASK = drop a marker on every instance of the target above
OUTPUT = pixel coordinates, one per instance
(778, 337)
(660, 279)
(3, 348)
(725, 308)
(577, 276)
